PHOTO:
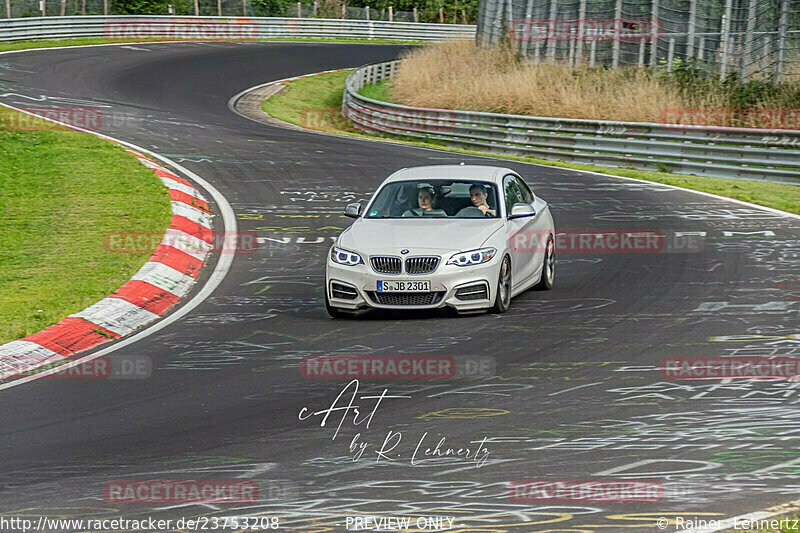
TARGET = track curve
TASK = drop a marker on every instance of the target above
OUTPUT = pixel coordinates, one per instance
(578, 393)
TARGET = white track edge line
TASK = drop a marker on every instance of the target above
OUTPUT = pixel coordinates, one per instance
(221, 269)
(268, 41)
(232, 106)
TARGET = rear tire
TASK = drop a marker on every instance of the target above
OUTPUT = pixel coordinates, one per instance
(548, 267)
(503, 299)
(335, 312)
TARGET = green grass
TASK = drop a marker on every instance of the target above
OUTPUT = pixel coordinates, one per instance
(378, 91)
(314, 102)
(322, 94)
(61, 194)
(82, 41)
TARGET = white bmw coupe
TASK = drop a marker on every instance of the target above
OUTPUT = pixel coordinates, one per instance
(466, 236)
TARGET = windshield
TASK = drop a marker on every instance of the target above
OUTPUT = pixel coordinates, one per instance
(435, 199)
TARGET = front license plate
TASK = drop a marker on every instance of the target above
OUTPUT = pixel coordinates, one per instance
(404, 286)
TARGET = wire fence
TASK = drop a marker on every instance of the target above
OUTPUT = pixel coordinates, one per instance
(330, 9)
(336, 9)
(757, 39)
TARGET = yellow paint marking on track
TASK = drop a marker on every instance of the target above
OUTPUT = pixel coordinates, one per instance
(465, 412)
(307, 338)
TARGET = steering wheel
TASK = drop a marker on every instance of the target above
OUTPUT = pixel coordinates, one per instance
(470, 212)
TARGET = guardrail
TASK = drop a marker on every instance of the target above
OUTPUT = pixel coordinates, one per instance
(756, 154)
(217, 28)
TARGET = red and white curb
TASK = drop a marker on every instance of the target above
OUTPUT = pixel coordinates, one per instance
(165, 278)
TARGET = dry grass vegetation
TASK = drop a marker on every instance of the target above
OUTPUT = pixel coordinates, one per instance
(457, 75)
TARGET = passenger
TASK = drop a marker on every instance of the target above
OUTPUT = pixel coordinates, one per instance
(425, 198)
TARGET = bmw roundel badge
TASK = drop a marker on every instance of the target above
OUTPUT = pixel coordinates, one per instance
(404, 251)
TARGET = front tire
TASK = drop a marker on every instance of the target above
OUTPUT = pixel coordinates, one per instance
(548, 267)
(503, 299)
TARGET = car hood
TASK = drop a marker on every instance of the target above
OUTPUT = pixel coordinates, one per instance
(389, 236)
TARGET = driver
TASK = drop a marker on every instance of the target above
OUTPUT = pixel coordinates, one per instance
(478, 195)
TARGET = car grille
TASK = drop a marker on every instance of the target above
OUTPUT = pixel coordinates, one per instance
(386, 265)
(473, 292)
(421, 265)
(405, 298)
(343, 291)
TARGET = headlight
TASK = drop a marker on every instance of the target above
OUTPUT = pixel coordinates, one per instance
(473, 257)
(343, 257)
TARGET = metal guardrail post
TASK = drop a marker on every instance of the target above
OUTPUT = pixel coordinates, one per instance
(581, 30)
(782, 27)
(551, 32)
(726, 38)
(671, 54)
(748, 40)
(654, 33)
(617, 33)
(642, 45)
(524, 39)
(692, 23)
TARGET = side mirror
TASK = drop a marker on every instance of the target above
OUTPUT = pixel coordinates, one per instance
(522, 210)
(353, 210)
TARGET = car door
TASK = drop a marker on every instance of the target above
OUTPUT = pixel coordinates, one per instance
(526, 237)
(539, 226)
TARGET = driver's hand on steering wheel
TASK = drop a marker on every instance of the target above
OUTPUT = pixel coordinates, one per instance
(485, 210)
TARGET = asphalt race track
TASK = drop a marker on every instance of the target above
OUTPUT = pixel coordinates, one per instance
(576, 393)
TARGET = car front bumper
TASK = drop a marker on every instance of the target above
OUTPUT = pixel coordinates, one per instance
(450, 283)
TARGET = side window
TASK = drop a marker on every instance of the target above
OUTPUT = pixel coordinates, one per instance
(511, 192)
(517, 192)
(527, 195)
